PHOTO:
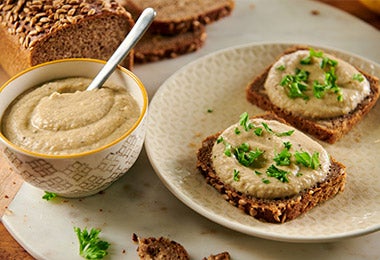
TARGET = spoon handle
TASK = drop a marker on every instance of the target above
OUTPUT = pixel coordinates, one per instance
(140, 27)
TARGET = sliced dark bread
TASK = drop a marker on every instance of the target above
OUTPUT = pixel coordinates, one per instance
(328, 130)
(154, 47)
(174, 17)
(271, 210)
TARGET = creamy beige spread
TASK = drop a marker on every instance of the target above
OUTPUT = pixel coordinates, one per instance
(254, 179)
(354, 87)
(61, 117)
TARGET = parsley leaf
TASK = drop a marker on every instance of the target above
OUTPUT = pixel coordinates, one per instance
(244, 121)
(236, 175)
(307, 160)
(90, 246)
(245, 155)
(277, 173)
(312, 53)
(49, 195)
(359, 77)
(269, 130)
(283, 158)
(296, 84)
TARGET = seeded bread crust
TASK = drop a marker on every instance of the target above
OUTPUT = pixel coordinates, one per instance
(159, 248)
(174, 17)
(154, 47)
(272, 210)
(327, 130)
(33, 32)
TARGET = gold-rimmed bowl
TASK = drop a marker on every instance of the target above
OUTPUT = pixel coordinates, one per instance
(78, 174)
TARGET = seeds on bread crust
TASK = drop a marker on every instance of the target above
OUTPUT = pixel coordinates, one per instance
(30, 20)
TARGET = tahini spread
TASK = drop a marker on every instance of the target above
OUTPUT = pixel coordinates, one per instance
(61, 117)
(354, 87)
(254, 180)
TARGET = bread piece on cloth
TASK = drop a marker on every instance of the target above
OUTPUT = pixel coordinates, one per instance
(272, 210)
(159, 248)
(33, 32)
(174, 17)
(328, 130)
(153, 47)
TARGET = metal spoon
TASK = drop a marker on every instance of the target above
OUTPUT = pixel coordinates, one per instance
(140, 27)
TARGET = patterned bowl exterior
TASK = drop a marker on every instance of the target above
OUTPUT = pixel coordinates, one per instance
(83, 174)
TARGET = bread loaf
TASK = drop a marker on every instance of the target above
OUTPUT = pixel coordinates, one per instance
(327, 129)
(278, 210)
(174, 17)
(37, 31)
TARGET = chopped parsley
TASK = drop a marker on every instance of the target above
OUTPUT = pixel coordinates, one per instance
(237, 130)
(307, 160)
(90, 246)
(296, 84)
(269, 130)
(312, 53)
(359, 77)
(281, 68)
(266, 181)
(244, 122)
(209, 110)
(277, 173)
(245, 155)
(283, 158)
(49, 195)
(236, 175)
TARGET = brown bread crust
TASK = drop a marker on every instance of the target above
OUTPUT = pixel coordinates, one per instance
(165, 26)
(276, 210)
(33, 32)
(160, 248)
(154, 47)
(327, 130)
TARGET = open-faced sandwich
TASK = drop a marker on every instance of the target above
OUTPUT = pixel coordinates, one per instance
(269, 169)
(316, 92)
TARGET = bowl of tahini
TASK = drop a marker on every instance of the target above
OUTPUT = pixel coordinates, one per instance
(65, 139)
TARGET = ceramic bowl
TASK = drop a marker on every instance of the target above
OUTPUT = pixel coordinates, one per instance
(78, 174)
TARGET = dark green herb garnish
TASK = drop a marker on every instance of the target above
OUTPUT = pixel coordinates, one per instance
(307, 160)
(266, 181)
(283, 158)
(49, 195)
(296, 84)
(90, 246)
(280, 68)
(277, 173)
(312, 53)
(244, 122)
(245, 155)
(269, 130)
(237, 130)
(236, 175)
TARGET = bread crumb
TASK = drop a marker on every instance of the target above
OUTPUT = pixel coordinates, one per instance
(315, 12)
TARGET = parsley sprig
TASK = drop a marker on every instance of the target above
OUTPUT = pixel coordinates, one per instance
(283, 157)
(90, 246)
(49, 195)
(277, 173)
(296, 84)
(307, 160)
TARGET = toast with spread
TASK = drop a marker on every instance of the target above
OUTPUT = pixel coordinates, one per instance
(325, 126)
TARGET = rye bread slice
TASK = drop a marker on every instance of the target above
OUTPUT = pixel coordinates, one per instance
(153, 47)
(327, 130)
(272, 210)
(159, 248)
(174, 17)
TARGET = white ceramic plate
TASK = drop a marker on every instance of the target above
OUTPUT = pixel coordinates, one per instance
(180, 119)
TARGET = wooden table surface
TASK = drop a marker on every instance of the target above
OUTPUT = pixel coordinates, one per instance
(9, 184)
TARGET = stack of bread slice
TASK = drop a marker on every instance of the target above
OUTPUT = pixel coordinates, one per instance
(179, 27)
